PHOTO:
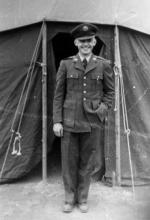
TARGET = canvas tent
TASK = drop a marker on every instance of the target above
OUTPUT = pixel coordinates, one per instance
(21, 97)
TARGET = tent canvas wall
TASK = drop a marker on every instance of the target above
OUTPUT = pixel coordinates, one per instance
(18, 39)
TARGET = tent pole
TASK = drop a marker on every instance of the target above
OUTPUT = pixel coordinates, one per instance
(117, 105)
(44, 103)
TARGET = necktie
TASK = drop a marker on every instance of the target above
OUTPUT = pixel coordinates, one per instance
(84, 63)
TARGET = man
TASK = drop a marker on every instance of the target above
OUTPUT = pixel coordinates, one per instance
(83, 95)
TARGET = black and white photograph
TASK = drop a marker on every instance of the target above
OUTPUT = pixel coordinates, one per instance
(74, 110)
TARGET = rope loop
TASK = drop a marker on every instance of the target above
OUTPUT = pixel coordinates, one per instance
(17, 144)
(116, 70)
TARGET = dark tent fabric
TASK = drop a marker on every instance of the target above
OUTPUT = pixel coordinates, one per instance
(16, 51)
(135, 59)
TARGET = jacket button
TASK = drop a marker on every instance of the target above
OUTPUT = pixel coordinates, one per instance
(84, 91)
(84, 84)
(84, 99)
(84, 77)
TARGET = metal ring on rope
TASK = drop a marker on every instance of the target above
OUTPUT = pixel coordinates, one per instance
(17, 145)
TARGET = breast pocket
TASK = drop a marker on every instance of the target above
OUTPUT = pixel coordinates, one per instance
(96, 80)
(72, 80)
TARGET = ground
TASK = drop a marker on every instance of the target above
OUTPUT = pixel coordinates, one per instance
(32, 199)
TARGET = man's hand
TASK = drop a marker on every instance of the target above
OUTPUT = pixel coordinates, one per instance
(102, 111)
(58, 129)
(102, 108)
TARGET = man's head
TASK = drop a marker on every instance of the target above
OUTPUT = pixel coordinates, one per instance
(84, 35)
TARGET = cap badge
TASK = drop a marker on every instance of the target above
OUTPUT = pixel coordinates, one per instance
(85, 28)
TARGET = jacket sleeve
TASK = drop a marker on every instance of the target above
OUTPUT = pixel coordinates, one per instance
(59, 93)
(108, 85)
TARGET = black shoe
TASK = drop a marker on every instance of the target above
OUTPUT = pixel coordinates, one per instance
(67, 208)
(83, 207)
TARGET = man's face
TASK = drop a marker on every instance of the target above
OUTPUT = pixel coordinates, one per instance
(85, 45)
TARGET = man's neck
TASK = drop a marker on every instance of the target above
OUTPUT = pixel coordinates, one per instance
(82, 57)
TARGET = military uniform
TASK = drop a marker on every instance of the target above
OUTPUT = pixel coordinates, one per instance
(78, 95)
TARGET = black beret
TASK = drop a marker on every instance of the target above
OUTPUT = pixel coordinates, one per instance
(84, 30)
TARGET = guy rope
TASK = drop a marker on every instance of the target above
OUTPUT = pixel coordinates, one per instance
(119, 87)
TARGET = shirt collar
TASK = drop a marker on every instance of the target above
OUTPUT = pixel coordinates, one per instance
(87, 58)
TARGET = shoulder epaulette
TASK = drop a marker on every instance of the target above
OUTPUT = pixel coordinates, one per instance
(69, 58)
(103, 59)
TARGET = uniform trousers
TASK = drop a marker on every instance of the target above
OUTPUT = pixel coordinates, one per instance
(78, 163)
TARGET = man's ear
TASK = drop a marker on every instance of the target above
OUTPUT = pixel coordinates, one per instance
(94, 41)
(76, 42)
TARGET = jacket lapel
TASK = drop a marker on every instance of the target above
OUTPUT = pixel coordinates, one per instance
(77, 63)
(92, 64)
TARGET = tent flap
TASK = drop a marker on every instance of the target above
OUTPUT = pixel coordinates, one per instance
(16, 50)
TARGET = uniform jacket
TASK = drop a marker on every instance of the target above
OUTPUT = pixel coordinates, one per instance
(79, 92)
